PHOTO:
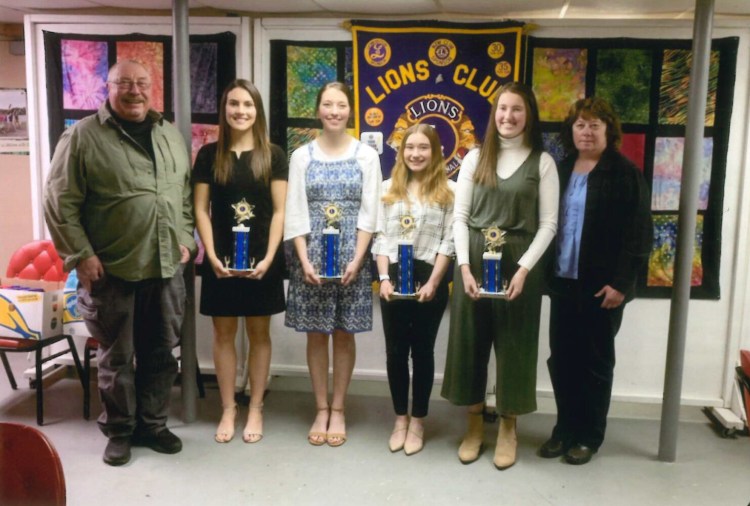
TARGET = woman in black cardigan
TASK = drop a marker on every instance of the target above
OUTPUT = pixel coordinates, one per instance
(603, 239)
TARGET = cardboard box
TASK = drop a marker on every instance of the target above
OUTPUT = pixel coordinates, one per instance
(33, 311)
(73, 323)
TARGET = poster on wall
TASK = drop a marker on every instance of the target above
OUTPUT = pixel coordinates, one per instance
(647, 83)
(14, 130)
(440, 73)
(77, 67)
(298, 70)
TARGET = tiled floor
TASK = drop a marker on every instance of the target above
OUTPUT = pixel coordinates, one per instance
(283, 469)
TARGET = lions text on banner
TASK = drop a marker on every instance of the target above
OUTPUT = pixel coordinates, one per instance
(443, 74)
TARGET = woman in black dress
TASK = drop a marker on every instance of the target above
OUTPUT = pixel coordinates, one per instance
(241, 179)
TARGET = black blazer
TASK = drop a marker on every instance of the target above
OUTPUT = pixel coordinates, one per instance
(617, 228)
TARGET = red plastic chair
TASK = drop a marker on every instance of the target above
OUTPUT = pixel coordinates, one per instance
(32, 474)
(37, 260)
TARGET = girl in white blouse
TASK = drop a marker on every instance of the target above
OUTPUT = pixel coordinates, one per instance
(333, 181)
(417, 205)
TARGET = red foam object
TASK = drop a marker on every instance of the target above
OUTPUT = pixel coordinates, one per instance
(36, 260)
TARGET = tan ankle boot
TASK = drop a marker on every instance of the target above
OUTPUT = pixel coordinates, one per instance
(505, 451)
(471, 446)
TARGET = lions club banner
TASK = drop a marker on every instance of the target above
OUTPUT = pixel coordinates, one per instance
(444, 74)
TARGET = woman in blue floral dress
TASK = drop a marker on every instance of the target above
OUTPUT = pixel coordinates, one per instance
(333, 181)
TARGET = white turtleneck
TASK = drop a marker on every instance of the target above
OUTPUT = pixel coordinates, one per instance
(512, 155)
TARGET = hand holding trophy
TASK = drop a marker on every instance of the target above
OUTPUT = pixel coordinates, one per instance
(240, 262)
(493, 285)
(405, 287)
(331, 268)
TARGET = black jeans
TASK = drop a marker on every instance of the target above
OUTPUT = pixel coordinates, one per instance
(411, 327)
(582, 362)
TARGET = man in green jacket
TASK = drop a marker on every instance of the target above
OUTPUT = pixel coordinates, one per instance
(118, 205)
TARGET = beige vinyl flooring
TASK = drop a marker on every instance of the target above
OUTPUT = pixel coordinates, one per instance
(283, 469)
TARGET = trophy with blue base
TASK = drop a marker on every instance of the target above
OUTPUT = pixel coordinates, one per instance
(493, 286)
(240, 261)
(331, 260)
(406, 287)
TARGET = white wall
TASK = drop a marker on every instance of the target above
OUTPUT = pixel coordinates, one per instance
(716, 329)
(36, 25)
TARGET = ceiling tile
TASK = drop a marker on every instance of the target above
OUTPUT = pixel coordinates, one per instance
(279, 6)
(12, 11)
(46, 4)
(8, 15)
(500, 9)
(383, 8)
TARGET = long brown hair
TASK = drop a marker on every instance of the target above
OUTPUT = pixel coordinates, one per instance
(260, 163)
(490, 150)
(435, 186)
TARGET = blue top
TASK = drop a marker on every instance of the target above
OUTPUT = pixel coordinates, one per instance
(572, 211)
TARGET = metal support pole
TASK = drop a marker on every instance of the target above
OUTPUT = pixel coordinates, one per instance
(691, 170)
(181, 94)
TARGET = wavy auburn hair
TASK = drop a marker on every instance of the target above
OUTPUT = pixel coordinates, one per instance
(588, 109)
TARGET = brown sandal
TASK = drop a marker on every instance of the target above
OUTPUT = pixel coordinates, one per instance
(253, 437)
(224, 435)
(336, 439)
(317, 438)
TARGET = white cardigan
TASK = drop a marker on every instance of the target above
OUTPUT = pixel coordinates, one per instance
(297, 216)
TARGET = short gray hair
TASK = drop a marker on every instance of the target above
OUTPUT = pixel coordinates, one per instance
(114, 68)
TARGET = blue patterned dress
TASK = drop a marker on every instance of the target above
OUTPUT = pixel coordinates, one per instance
(331, 306)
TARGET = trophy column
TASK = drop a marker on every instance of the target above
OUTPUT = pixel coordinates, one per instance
(405, 273)
(331, 247)
(241, 257)
(492, 282)
(331, 268)
(492, 278)
(240, 260)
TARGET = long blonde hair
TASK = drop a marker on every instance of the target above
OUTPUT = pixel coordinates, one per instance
(260, 163)
(435, 186)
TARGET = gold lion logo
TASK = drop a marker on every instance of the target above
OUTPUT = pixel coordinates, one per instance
(442, 52)
(377, 52)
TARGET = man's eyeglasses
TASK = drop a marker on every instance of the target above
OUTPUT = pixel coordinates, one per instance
(126, 84)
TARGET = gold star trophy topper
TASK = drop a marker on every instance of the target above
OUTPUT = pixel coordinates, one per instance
(408, 223)
(494, 238)
(243, 211)
(333, 214)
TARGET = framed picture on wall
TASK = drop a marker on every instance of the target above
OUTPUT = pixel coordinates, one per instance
(14, 129)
